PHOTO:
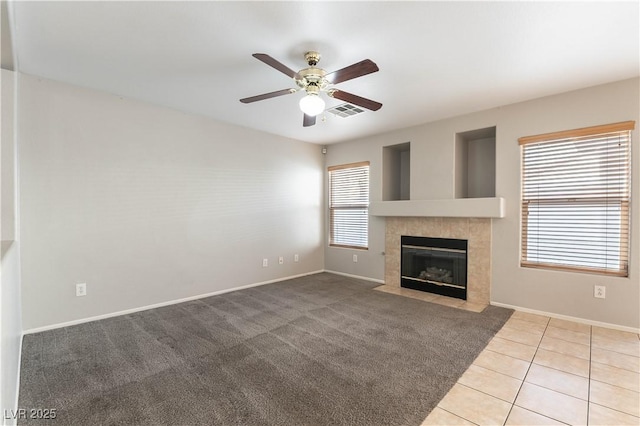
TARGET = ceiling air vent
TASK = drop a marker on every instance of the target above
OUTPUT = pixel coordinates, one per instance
(345, 110)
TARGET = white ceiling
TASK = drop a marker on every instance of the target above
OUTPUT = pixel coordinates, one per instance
(436, 59)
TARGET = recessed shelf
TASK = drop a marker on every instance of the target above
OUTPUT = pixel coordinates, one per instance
(475, 163)
(396, 172)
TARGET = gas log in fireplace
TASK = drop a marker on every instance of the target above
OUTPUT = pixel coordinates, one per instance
(434, 265)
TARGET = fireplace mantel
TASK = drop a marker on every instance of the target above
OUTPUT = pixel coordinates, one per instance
(456, 207)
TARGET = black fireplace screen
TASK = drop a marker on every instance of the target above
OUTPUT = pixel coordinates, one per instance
(436, 265)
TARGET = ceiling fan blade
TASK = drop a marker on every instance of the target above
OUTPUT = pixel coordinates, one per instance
(309, 120)
(267, 96)
(276, 64)
(352, 71)
(356, 100)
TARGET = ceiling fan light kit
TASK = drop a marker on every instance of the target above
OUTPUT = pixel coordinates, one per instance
(312, 104)
(315, 80)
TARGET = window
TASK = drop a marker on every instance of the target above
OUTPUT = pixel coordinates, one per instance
(349, 205)
(575, 199)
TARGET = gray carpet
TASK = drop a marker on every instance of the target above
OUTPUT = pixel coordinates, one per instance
(322, 349)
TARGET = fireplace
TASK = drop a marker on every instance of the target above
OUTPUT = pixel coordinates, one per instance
(477, 233)
(434, 265)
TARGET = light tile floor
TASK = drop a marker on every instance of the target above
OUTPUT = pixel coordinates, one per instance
(545, 371)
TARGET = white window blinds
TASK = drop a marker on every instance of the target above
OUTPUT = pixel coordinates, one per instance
(349, 205)
(575, 199)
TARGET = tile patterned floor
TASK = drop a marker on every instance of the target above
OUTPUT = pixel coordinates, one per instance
(545, 371)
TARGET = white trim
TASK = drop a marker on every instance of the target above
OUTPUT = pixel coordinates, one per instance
(161, 304)
(569, 318)
(11, 422)
(375, 280)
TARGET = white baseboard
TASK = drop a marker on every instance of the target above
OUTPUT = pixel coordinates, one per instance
(569, 318)
(7, 419)
(161, 304)
(375, 280)
(12, 422)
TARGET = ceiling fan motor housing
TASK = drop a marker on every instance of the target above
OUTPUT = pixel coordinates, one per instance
(312, 79)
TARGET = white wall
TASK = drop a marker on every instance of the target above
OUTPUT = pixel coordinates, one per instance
(10, 307)
(432, 177)
(148, 205)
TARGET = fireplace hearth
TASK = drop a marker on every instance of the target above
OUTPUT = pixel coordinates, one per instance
(434, 265)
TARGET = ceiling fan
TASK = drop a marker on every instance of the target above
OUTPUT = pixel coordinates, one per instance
(315, 80)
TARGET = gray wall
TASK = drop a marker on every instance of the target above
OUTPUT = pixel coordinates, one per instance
(405, 175)
(10, 305)
(395, 173)
(432, 177)
(148, 205)
(481, 163)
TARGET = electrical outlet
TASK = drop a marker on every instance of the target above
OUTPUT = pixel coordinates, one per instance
(265, 263)
(281, 260)
(81, 289)
(355, 258)
(599, 291)
(296, 258)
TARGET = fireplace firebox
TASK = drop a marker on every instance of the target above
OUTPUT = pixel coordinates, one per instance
(434, 265)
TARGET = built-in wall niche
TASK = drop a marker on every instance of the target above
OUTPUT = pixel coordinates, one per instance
(475, 163)
(396, 170)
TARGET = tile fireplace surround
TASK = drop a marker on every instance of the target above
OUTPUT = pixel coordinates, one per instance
(476, 230)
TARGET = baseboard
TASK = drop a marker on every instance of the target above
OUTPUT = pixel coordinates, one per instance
(161, 304)
(569, 318)
(354, 276)
(16, 404)
(14, 421)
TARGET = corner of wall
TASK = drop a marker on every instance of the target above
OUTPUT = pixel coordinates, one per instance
(10, 283)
